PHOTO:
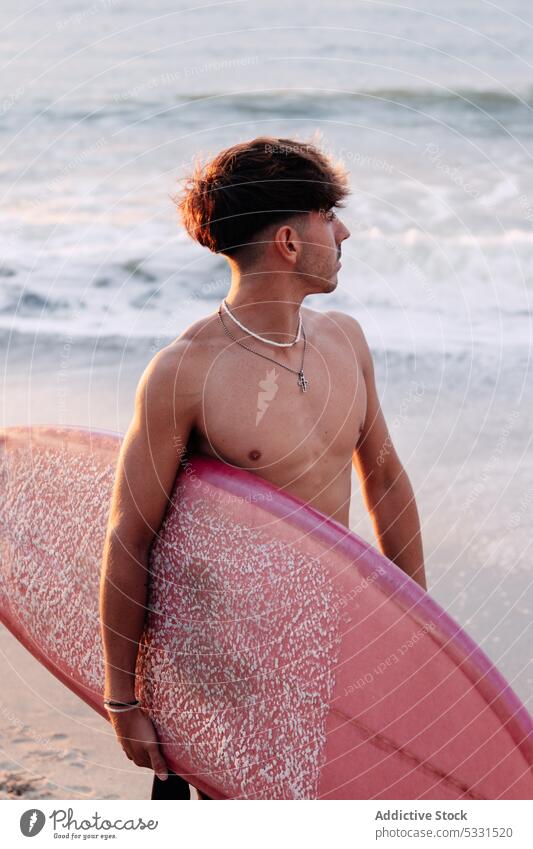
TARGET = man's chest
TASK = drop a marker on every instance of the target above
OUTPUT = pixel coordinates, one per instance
(255, 413)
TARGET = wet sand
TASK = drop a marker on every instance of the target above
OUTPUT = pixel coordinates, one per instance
(52, 745)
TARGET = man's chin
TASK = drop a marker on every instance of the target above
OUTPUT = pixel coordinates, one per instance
(327, 285)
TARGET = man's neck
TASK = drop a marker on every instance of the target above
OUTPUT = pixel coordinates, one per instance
(266, 305)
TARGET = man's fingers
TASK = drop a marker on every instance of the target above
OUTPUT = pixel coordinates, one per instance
(158, 764)
(142, 747)
(139, 757)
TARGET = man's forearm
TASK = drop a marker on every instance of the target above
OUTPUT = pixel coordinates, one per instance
(397, 525)
(123, 592)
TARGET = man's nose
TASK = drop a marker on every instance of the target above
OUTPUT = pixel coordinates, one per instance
(343, 233)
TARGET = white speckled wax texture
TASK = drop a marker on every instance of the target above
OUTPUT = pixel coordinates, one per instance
(54, 504)
(236, 664)
(242, 669)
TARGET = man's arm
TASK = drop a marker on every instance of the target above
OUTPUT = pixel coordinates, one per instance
(146, 470)
(386, 488)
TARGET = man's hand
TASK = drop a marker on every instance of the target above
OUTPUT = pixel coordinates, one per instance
(137, 736)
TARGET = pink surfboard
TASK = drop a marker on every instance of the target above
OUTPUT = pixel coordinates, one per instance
(283, 657)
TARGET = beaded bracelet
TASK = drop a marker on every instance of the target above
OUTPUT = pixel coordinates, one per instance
(120, 707)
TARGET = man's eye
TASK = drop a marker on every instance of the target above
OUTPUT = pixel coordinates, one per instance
(330, 216)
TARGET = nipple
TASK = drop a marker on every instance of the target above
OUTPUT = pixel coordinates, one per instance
(254, 454)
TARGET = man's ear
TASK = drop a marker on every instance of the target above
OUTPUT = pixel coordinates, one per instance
(285, 239)
(288, 238)
(291, 246)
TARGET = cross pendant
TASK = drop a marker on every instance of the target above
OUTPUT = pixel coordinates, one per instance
(303, 383)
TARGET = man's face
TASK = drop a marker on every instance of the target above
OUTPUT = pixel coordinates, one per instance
(319, 261)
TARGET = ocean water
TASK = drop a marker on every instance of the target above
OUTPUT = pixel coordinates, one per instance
(103, 107)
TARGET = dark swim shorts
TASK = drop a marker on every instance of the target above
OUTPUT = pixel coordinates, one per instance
(174, 787)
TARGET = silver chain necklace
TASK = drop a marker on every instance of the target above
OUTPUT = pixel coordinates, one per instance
(262, 338)
(303, 382)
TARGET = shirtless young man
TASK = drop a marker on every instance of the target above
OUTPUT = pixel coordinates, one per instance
(268, 206)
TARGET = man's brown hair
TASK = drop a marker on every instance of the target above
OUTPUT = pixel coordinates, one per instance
(228, 200)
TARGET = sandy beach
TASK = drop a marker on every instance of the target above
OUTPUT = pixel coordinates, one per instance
(53, 746)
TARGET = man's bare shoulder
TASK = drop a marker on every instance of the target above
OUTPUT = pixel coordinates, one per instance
(334, 321)
(183, 361)
(351, 330)
(203, 331)
(345, 322)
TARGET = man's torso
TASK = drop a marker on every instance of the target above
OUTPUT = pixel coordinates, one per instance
(252, 413)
